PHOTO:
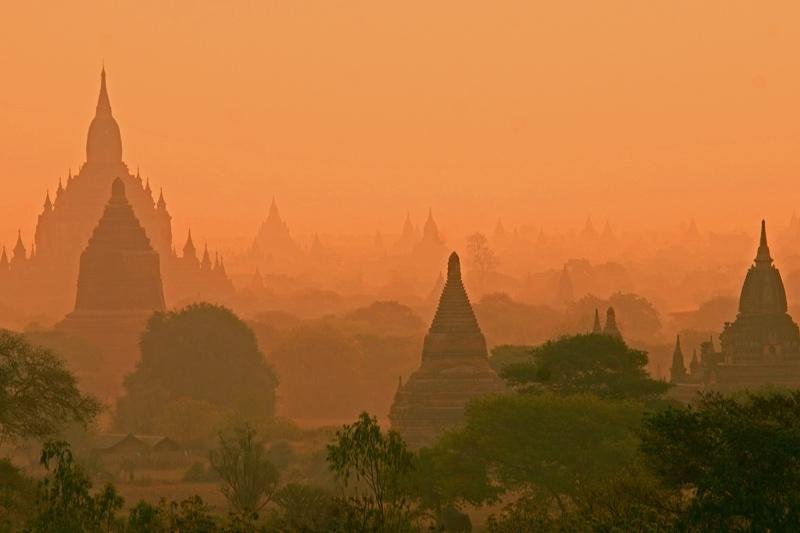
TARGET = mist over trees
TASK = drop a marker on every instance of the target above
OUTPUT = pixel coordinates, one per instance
(201, 361)
(38, 395)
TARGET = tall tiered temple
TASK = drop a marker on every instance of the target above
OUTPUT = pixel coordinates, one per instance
(46, 279)
(760, 347)
(274, 250)
(454, 370)
(119, 286)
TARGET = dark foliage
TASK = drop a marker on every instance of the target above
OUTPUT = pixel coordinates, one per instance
(597, 364)
(202, 352)
(37, 393)
(739, 455)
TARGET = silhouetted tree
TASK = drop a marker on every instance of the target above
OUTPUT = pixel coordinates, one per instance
(373, 466)
(389, 319)
(17, 493)
(249, 478)
(595, 364)
(737, 455)
(562, 445)
(65, 501)
(191, 514)
(322, 372)
(202, 352)
(480, 256)
(304, 508)
(37, 393)
(636, 316)
(506, 321)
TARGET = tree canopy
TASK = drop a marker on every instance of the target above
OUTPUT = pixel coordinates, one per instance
(203, 352)
(597, 364)
(38, 395)
(560, 444)
(739, 455)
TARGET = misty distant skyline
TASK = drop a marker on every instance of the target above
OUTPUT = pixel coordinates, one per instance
(351, 115)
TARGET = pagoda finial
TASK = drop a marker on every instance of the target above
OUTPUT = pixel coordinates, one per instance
(597, 329)
(678, 370)
(19, 248)
(48, 205)
(205, 263)
(189, 251)
(453, 267)
(763, 256)
(162, 204)
(103, 102)
(273, 209)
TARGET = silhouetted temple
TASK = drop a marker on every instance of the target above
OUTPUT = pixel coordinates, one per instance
(45, 278)
(762, 346)
(455, 369)
(611, 327)
(274, 249)
(119, 286)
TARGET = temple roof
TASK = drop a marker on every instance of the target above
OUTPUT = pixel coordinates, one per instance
(119, 270)
(763, 291)
(611, 327)
(454, 314)
(104, 142)
(678, 369)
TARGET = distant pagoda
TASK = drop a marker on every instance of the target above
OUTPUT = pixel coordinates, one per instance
(45, 280)
(119, 286)
(760, 347)
(454, 370)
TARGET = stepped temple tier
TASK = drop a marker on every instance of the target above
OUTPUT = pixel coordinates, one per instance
(43, 277)
(454, 370)
(119, 270)
(761, 347)
(119, 286)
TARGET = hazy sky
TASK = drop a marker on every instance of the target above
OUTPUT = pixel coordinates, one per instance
(352, 112)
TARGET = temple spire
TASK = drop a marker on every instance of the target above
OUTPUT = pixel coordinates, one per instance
(763, 256)
(205, 264)
(597, 329)
(48, 205)
(103, 102)
(19, 248)
(189, 251)
(678, 370)
(162, 204)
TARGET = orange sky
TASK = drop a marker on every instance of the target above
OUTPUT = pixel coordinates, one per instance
(352, 112)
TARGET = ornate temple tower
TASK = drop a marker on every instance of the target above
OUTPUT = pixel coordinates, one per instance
(761, 347)
(45, 281)
(274, 250)
(455, 369)
(763, 331)
(119, 286)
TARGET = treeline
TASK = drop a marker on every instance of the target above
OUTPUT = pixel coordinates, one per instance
(584, 441)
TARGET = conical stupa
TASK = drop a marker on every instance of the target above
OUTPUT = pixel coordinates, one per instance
(119, 288)
(454, 370)
(119, 270)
